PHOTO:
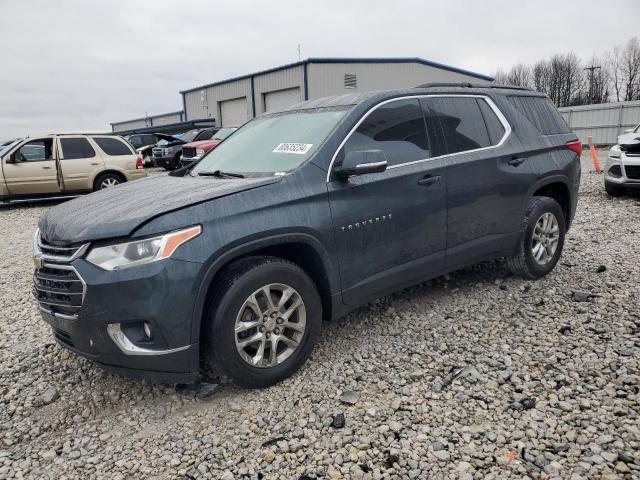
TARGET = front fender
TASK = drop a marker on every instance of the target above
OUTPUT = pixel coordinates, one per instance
(243, 248)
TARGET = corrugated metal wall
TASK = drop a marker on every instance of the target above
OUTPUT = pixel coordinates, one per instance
(323, 79)
(327, 79)
(275, 81)
(161, 119)
(604, 121)
(167, 119)
(205, 103)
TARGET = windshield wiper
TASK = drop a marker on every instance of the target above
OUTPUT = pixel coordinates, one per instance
(221, 174)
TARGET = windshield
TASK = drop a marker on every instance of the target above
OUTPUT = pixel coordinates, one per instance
(275, 143)
(6, 145)
(223, 133)
(189, 136)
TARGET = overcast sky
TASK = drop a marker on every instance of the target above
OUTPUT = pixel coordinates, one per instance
(76, 65)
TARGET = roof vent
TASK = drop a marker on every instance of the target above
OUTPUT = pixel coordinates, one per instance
(350, 80)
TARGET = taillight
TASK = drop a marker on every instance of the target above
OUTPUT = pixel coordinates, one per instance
(575, 146)
(139, 163)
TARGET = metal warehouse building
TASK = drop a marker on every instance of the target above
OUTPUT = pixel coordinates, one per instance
(236, 100)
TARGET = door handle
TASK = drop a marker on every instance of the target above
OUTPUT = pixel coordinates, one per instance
(46, 168)
(514, 162)
(429, 180)
(94, 163)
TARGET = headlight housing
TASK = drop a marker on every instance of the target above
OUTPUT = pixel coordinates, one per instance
(140, 252)
(615, 151)
(199, 152)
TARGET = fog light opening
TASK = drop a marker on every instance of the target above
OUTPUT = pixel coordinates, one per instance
(147, 330)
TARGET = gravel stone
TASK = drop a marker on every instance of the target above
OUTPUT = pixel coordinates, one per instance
(524, 400)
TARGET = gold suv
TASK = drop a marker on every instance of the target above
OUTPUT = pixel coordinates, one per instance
(66, 165)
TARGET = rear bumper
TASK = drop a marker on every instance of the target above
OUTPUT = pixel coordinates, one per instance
(160, 294)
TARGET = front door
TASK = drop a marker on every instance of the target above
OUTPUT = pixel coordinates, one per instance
(31, 169)
(390, 227)
(79, 162)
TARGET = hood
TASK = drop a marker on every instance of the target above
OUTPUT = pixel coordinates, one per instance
(630, 142)
(204, 144)
(118, 211)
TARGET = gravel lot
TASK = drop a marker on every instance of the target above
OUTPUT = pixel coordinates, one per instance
(546, 386)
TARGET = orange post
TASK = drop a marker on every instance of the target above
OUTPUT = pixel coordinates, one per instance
(594, 155)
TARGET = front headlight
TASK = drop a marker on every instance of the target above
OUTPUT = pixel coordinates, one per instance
(139, 252)
(615, 151)
(199, 152)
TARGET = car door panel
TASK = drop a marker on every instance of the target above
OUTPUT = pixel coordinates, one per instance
(35, 172)
(80, 162)
(390, 227)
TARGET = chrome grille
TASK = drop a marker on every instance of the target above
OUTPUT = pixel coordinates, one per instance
(57, 286)
(157, 153)
(188, 152)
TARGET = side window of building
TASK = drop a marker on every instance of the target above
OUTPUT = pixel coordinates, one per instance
(461, 121)
(74, 148)
(494, 126)
(113, 146)
(397, 128)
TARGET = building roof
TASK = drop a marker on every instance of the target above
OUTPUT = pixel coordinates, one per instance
(418, 60)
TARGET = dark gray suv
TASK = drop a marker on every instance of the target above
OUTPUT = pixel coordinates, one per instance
(303, 215)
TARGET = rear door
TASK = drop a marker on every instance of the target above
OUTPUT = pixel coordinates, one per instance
(486, 185)
(34, 169)
(390, 227)
(80, 162)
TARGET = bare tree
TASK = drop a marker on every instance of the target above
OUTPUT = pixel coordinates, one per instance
(631, 69)
(614, 66)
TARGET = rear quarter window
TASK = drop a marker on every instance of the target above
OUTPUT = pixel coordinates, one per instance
(113, 146)
(541, 113)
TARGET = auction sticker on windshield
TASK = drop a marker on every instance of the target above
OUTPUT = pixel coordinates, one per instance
(297, 148)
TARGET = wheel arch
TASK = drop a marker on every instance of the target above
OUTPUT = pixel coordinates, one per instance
(108, 170)
(558, 188)
(303, 249)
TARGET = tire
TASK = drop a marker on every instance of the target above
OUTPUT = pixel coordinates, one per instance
(107, 180)
(524, 262)
(613, 190)
(226, 307)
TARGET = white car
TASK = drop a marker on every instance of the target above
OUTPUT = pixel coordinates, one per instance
(622, 169)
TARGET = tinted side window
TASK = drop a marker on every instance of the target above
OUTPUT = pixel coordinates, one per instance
(494, 126)
(461, 121)
(205, 135)
(541, 113)
(36, 151)
(112, 146)
(76, 148)
(397, 128)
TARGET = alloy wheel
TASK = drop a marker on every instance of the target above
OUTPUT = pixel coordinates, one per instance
(109, 182)
(270, 325)
(544, 241)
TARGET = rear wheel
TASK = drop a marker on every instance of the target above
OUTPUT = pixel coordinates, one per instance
(107, 180)
(263, 321)
(541, 239)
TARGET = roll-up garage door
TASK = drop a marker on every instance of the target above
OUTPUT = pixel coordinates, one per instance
(233, 112)
(281, 99)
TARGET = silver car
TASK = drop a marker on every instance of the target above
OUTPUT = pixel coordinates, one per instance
(622, 169)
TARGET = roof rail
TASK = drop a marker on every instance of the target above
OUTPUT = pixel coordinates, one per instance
(472, 85)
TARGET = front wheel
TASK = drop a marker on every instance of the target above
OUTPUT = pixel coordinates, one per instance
(263, 321)
(541, 239)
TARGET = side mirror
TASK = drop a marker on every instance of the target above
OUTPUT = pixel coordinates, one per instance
(362, 162)
(12, 158)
